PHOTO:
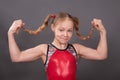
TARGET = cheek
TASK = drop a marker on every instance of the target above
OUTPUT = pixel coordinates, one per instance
(57, 33)
(70, 35)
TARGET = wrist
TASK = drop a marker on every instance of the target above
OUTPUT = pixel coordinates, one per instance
(11, 32)
(102, 29)
(103, 32)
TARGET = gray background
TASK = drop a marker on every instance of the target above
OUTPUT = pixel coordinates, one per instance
(33, 12)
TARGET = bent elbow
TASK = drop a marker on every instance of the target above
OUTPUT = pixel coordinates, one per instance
(103, 57)
(14, 60)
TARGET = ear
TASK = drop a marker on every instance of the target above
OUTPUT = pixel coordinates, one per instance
(52, 27)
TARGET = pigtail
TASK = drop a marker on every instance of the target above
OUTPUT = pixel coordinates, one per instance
(43, 26)
(76, 23)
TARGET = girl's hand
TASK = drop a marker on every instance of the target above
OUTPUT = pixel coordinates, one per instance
(97, 23)
(16, 25)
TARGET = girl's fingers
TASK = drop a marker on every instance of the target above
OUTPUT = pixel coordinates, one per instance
(17, 24)
(97, 23)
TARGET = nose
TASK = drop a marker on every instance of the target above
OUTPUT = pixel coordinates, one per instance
(65, 34)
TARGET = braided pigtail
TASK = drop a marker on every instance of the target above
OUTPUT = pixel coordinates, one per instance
(43, 26)
(76, 23)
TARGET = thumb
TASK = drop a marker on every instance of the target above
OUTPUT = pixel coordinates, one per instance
(17, 30)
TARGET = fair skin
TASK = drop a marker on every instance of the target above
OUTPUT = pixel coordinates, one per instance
(63, 32)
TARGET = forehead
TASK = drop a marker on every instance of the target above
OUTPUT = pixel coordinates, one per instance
(66, 23)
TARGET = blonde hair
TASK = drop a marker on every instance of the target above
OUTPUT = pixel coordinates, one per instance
(57, 17)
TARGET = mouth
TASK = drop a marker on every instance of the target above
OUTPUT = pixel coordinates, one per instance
(66, 39)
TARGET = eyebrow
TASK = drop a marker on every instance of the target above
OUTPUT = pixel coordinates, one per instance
(64, 28)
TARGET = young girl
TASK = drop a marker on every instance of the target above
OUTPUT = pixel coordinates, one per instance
(59, 56)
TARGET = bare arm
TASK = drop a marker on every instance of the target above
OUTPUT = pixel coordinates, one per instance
(15, 53)
(100, 52)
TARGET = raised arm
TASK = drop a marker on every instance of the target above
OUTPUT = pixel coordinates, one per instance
(100, 53)
(15, 53)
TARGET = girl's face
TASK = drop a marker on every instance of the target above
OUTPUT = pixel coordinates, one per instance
(63, 31)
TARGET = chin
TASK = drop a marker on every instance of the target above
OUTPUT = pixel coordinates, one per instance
(64, 42)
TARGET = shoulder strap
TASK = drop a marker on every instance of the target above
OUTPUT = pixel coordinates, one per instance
(50, 51)
(72, 49)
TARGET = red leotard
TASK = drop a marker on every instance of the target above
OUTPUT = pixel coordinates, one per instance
(61, 64)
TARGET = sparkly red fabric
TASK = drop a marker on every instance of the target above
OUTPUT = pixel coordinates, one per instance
(62, 66)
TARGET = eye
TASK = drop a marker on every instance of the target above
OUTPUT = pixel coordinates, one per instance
(61, 30)
(70, 30)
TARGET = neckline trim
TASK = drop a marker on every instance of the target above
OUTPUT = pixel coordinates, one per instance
(60, 49)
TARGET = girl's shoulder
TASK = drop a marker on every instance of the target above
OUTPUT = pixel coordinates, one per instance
(77, 46)
(43, 47)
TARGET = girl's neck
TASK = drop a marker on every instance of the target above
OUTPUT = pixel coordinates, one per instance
(59, 45)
